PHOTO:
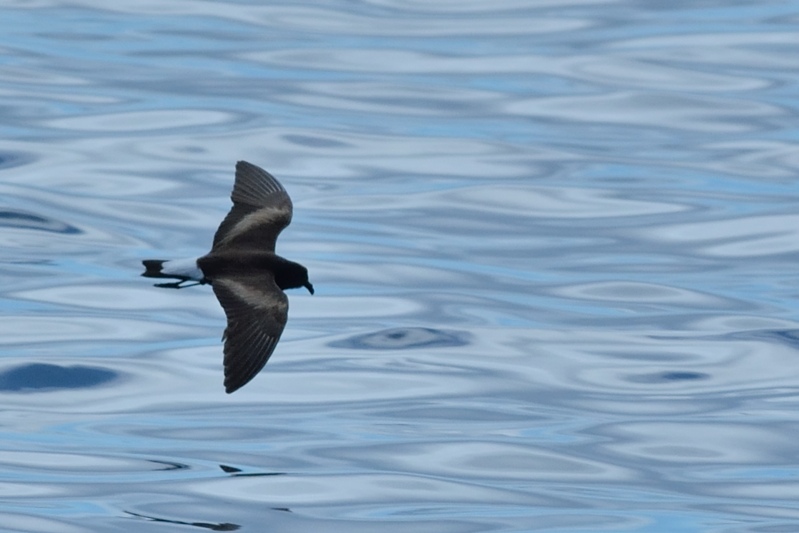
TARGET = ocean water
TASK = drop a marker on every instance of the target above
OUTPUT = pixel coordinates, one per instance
(554, 246)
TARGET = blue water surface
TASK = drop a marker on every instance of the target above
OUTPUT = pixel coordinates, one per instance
(554, 246)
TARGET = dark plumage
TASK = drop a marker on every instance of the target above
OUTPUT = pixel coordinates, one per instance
(246, 275)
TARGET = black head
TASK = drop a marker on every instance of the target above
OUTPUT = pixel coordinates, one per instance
(292, 276)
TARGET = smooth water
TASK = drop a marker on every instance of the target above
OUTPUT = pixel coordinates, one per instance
(554, 246)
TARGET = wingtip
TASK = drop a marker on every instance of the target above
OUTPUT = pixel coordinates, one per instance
(257, 187)
(245, 167)
(232, 384)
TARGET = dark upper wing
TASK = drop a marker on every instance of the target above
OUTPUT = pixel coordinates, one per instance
(261, 209)
(256, 311)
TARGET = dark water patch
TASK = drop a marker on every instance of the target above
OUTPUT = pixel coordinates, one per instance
(439, 414)
(785, 336)
(238, 472)
(404, 338)
(314, 142)
(204, 525)
(21, 220)
(789, 337)
(668, 377)
(169, 465)
(43, 376)
(209, 432)
(9, 160)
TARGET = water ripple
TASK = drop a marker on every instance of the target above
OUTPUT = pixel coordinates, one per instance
(29, 221)
(553, 244)
(404, 338)
(138, 121)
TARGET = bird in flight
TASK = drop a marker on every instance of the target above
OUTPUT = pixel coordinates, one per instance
(244, 271)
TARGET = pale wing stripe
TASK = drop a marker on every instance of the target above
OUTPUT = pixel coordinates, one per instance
(268, 300)
(263, 216)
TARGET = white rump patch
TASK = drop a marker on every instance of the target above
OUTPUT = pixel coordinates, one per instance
(183, 268)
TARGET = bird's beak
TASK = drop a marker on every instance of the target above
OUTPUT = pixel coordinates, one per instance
(309, 287)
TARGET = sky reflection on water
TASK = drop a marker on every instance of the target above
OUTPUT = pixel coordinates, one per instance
(553, 246)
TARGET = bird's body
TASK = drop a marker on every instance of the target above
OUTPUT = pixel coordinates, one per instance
(246, 274)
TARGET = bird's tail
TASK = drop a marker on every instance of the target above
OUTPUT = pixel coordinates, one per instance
(182, 269)
(152, 268)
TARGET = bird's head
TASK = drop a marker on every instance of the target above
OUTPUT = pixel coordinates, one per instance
(293, 276)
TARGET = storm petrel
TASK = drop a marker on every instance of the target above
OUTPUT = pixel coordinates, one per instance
(246, 274)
